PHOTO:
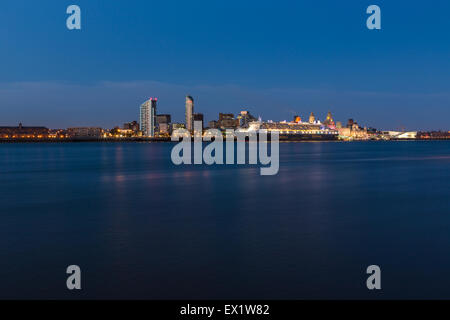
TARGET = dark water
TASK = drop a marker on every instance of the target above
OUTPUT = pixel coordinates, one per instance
(140, 227)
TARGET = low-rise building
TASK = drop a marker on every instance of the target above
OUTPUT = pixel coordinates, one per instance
(21, 132)
(134, 126)
(164, 128)
(245, 118)
(214, 124)
(227, 121)
(85, 132)
(176, 126)
(353, 132)
(434, 135)
(402, 135)
(163, 118)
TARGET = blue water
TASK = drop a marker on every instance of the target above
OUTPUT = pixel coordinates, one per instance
(141, 227)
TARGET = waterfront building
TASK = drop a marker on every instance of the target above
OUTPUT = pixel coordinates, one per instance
(350, 123)
(176, 126)
(133, 126)
(199, 117)
(227, 121)
(85, 132)
(214, 124)
(121, 133)
(297, 119)
(164, 128)
(312, 118)
(22, 132)
(190, 113)
(402, 135)
(329, 120)
(163, 122)
(434, 135)
(245, 118)
(148, 117)
(163, 118)
(56, 133)
(353, 132)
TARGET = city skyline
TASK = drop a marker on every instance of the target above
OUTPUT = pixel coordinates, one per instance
(147, 118)
(154, 126)
(180, 117)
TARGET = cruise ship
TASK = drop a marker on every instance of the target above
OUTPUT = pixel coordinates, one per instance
(295, 131)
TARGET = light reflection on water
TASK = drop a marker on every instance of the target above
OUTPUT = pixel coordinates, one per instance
(141, 227)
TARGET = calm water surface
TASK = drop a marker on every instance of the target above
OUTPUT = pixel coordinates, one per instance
(140, 227)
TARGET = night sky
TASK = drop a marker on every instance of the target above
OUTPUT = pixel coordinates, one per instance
(273, 58)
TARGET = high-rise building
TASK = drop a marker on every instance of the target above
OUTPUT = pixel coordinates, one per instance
(190, 113)
(148, 117)
(199, 117)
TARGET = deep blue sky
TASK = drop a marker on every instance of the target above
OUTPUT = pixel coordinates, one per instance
(274, 58)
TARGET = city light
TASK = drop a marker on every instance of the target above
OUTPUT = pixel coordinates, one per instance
(159, 127)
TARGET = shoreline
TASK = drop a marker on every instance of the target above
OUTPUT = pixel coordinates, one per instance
(168, 140)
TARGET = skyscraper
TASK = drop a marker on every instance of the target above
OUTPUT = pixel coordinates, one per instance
(190, 113)
(148, 117)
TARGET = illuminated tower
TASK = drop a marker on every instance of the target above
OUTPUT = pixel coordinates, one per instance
(329, 120)
(312, 118)
(148, 117)
(189, 113)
